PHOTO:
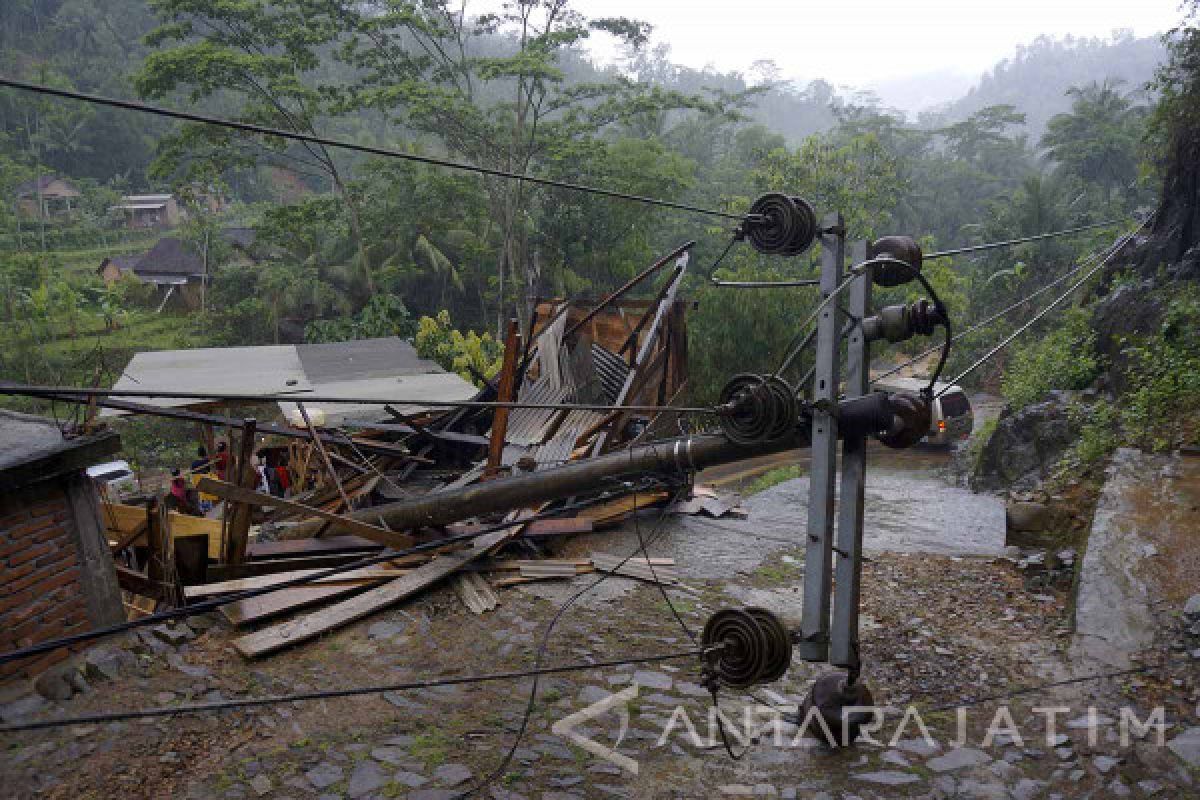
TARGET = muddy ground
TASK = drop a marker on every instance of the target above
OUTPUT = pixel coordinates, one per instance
(946, 619)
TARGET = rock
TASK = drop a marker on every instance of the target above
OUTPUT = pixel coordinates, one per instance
(887, 777)
(452, 774)
(918, 747)
(22, 707)
(399, 700)
(650, 679)
(1191, 608)
(202, 622)
(1105, 764)
(896, 758)
(433, 794)
(1187, 746)
(1030, 517)
(1118, 789)
(173, 635)
(978, 790)
(959, 758)
(1027, 789)
(593, 694)
(1025, 444)
(55, 684)
(390, 755)
(367, 777)
(104, 663)
(261, 785)
(410, 779)
(386, 629)
(324, 775)
(1149, 787)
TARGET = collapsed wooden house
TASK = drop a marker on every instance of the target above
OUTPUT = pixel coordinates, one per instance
(618, 352)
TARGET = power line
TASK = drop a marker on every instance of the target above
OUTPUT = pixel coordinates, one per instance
(989, 320)
(1010, 242)
(57, 392)
(326, 694)
(1054, 304)
(249, 127)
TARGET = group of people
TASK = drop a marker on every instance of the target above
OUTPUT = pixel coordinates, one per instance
(183, 497)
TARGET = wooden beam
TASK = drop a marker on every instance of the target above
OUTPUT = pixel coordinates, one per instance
(505, 394)
(155, 541)
(236, 493)
(277, 637)
(324, 455)
(133, 581)
(237, 514)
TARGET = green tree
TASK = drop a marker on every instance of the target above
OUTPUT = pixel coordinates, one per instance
(1098, 140)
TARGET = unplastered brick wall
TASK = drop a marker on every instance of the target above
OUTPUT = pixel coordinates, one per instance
(41, 595)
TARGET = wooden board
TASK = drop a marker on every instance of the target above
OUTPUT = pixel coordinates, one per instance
(121, 519)
(475, 592)
(277, 637)
(298, 548)
(621, 506)
(373, 532)
(275, 604)
(365, 574)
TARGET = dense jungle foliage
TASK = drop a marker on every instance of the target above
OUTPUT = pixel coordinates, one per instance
(1066, 133)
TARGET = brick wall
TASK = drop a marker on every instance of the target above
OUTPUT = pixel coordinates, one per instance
(41, 593)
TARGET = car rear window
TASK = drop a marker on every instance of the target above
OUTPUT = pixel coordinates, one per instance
(955, 404)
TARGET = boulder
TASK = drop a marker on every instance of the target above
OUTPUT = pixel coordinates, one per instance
(1025, 444)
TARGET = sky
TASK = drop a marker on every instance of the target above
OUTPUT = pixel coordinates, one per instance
(866, 43)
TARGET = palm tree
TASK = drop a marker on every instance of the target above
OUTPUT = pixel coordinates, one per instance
(1097, 140)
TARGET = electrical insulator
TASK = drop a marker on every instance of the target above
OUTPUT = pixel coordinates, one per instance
(781, 225)
(898, 323)
(900, 248)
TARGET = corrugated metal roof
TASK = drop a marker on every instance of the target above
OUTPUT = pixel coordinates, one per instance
(362, 359)
(528, 426)
(612, 369)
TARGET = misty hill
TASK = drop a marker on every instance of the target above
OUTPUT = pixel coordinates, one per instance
(1036, 79)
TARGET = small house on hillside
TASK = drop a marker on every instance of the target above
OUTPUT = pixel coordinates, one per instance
(46, 196)
(176, 269)
(113, 268)
(150, 210)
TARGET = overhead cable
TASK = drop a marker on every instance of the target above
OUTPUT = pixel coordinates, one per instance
(250, 127)
(1022, 240)
(1053, 304)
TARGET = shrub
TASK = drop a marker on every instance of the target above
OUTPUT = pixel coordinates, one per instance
(1065, 358)
(438, 340)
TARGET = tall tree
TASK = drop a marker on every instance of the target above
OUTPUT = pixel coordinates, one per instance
(265, 60)
(1097, 141)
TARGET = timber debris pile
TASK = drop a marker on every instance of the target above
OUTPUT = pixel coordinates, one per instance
(276, 503)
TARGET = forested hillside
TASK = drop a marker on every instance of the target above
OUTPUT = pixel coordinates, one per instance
(350, 246)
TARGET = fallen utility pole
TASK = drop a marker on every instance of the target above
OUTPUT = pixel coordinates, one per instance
(675, 457)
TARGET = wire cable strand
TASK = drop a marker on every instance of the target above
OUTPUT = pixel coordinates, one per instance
(975, 248)
(989, 320)
(249, 127)
(1053, 304)
(325, 694)
(81, 393)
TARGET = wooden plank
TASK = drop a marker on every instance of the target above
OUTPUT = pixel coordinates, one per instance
(299, 548)
(263, 581)
(475, 592)
(258, 609)
(236, 493)
(504, 393)
(277, 637)
(126, 538)
(156, 543)
(251, 569)
(123, 519)
(621, 506)
(324, 455)
(539, 527)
